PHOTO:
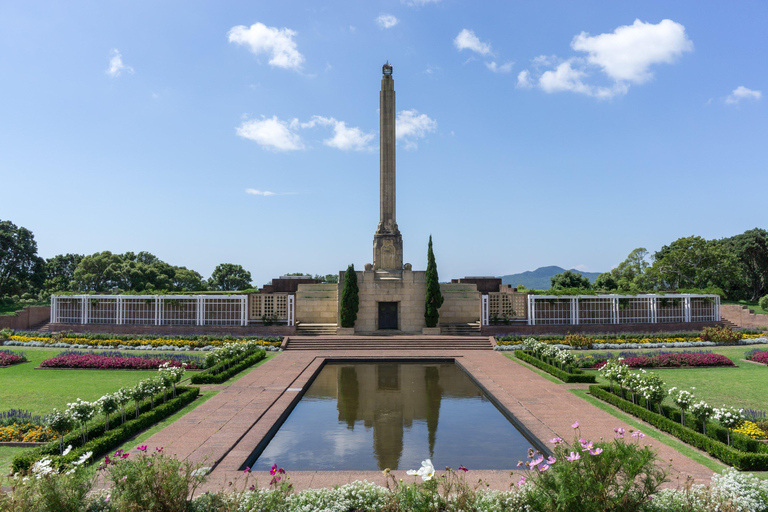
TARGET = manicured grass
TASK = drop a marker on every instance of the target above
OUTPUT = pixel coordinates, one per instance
(39, 391)
(742, 387)
(535, 370)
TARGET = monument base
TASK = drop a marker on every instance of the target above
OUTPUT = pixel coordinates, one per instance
(345, 331)
(430, 330)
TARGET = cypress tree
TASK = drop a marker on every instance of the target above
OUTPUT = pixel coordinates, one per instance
(434, 297)
(350, 301)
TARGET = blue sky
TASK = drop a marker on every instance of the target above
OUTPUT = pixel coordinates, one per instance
(530, 133)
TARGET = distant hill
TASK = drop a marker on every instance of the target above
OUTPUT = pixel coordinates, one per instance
(539, 279)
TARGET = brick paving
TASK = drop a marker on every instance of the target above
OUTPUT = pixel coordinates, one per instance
(223, 431)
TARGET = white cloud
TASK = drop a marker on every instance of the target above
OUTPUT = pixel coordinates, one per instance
(504, 68)
(278, 43)
(467, 40)
(410, 126)
(566, 78)
(256, 192)
(431, 69)
(272, 133)
(387, 21)
(524, 79)
(742, 93)
(116, 66)
(344, 138)
(628, 52)
(624, 57)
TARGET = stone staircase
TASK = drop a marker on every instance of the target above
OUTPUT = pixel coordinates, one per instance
(469, 329)
(389, 343)
(303, 329)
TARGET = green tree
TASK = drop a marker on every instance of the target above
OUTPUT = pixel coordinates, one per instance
(21, 269)
(693, 262)
(186, 280)
(60, 272)
(751, 251)
(606, 282)
(570, 279)
(328, 278)
(434, 297)
(99, 272)
(229, 277)
(350, 299)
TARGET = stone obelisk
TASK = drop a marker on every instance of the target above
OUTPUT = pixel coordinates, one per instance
(387, 242)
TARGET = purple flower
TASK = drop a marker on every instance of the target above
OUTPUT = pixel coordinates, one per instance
(142, 448)
(462, 468)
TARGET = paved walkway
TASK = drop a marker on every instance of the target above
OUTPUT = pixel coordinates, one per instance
(223, 431)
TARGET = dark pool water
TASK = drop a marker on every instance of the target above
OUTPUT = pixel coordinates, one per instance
(372, 416)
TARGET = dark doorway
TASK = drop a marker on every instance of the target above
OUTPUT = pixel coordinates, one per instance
(387, 315)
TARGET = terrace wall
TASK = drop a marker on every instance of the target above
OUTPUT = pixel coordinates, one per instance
(28, 318)
(742, 317)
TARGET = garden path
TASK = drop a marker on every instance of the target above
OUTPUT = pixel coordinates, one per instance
(226, 428)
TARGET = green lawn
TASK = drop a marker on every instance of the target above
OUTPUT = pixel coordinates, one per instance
(742, 387)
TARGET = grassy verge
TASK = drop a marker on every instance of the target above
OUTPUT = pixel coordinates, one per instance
(542, 373)
(753, 306)
(6, 309)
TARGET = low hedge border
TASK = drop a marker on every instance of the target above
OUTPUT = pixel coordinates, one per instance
(567, 377)
(756, 459)
(102, 442)
(218, 373)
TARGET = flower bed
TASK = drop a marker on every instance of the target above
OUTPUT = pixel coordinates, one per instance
(101, 440)
(142, 342)
(8, 358)
(745, 453)
(758, 356)
(26, 433)
(672, 360)
(119, 361)
(614, 341)
(227, 361)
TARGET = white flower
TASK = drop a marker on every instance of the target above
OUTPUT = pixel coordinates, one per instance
(426, 471)
(67, 450)
(84, 457)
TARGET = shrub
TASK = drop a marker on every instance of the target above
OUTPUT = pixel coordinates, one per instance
(720, 335)
(350, 300)
(224, 371)
(557, 372)
(763, 303)
(153, 481)
(578, 341)
(595, 477)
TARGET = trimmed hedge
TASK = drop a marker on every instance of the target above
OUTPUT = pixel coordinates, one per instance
(220, 373)
(746, 454)
(102, 442)
(554, 370)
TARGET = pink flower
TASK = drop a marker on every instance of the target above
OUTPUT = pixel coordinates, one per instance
(462, 468)
(619, 433)
(273, 470)
(575, 425)
(247, 470)
(521, 481)
(519, 463)
(586, 447)
(573, 457)
(544, 467)
(551, 460)
(158, 450)
(142, 448)
(638, 435)
(556, 440)
(596, 451)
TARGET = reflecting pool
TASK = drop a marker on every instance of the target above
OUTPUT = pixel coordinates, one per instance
(372, 416)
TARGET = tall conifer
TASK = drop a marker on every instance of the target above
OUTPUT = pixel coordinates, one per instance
(350, 301)
(434, 297)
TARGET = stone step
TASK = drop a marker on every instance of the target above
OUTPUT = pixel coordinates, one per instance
(388, 343)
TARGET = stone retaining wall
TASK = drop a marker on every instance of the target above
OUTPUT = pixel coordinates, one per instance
(28, 318)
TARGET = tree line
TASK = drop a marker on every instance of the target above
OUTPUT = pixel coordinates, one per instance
(24, 274)
(734, 267)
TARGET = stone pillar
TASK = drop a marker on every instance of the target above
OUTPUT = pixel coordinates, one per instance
(387, 242)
